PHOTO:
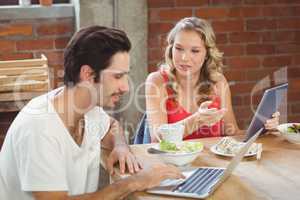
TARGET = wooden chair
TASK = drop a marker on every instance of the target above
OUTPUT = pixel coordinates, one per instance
(21, 80)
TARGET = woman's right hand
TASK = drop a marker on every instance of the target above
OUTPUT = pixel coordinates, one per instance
(208, 116)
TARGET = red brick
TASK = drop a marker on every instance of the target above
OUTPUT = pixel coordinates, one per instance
(54, 57)
(55, 29)
(155, 54)
(153, 42)
(61, 43)
(212, 12)
(243, 62)
(295, 108)
(153, 15)
(235, 75)
(296, 59)
(232, 50)
(242, 88)
(293, 72)
(251, 11)
(293, 95)
(37, 44)
(275, 61)
(260, 24)
(225, 2)
(297, 36)
(267, 36)
(297, 10)
(7, 46)
(237, 100)
(238, 12)
(278, 11)
(289, 23)
(289, 1)
(161, 3)
(174, 14)
(258, 49)
(278, 36)
(189, 3)
(259, 2)
(16, 29)
(242, 111)
(16, 56)
(58, 70)
(244, 37)
(234, 12)
(163, 40)
(228, 26)
(222, 38)
(294, 84)
(288, 48)
(159, 28)
(259, 74)
(252, 99)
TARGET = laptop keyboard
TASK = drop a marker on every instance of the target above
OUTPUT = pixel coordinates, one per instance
(200, 181)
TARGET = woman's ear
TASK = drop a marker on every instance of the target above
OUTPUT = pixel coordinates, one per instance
(86, 73)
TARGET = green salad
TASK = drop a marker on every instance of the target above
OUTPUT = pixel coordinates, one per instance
(294, 128)
(185, 147)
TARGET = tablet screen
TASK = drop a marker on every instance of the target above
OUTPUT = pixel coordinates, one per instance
(268, 105)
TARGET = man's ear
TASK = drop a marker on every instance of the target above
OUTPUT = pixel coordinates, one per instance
(86, 73)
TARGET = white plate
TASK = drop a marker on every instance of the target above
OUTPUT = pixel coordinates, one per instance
(216, 151)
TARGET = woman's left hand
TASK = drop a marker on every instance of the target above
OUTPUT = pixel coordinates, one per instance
(271, 124)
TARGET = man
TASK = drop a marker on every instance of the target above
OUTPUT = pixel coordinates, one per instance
(52, 149)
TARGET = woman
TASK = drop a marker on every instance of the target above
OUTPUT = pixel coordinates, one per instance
(191, 76)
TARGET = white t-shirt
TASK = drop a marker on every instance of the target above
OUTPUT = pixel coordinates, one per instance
(39, 154)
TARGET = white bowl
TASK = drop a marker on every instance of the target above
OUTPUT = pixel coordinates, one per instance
(180, 158)
(291, 137)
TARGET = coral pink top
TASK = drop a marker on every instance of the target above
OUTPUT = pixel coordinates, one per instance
(177, 113)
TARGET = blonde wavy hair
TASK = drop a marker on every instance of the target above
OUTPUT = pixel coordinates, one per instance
(212, 65)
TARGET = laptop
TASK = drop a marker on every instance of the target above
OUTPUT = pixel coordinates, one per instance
(268, 105)
(203, 181)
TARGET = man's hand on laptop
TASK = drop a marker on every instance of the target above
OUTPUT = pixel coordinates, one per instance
(271, 124)
(153, 175)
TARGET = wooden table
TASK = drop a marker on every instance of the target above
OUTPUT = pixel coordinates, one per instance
(275, 176)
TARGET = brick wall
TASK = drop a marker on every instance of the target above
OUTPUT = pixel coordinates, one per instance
(257, 38)
(16, 2)
(22, 39)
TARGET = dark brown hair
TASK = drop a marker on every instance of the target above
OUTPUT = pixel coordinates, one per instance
(93, 46)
